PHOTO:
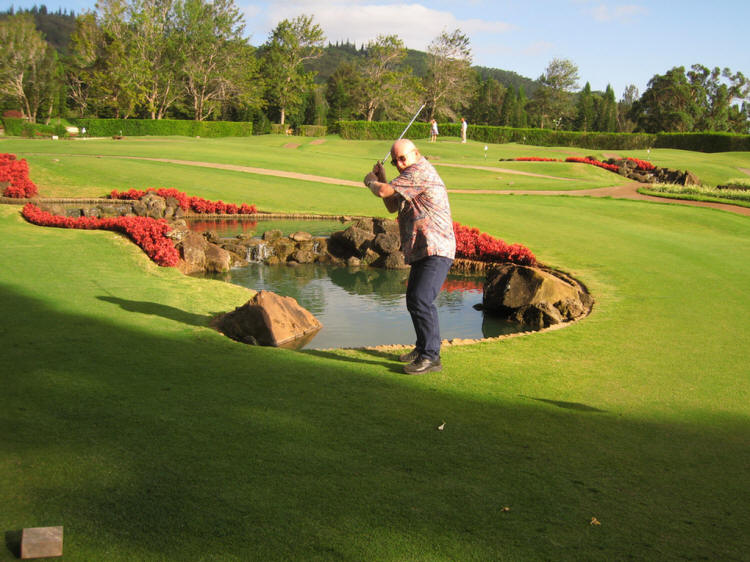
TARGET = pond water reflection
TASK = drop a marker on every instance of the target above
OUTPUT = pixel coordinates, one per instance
(227, 228)
(366, 306)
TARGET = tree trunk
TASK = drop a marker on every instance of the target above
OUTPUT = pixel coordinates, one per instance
(283, 114)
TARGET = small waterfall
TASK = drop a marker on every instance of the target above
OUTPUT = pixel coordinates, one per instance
(258, 253)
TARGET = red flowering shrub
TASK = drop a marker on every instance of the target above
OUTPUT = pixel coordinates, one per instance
(610, 167)
(15, 173)
(188, 203)
(474, 245)
(536, 159)
(149, 234)
(642, 164)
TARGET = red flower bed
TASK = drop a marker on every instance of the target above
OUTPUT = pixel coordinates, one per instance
(149, 234)
(536, 159)
(16, 174)
(610, 167)
(187, 203)
(474, 245)
(643, 164)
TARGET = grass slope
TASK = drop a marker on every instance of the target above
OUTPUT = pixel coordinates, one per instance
(150, 437)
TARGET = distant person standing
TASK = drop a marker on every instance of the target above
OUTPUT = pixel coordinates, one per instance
(433, 131)
(464, 126)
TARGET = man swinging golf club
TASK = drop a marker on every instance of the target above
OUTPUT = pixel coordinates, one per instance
(427, 241)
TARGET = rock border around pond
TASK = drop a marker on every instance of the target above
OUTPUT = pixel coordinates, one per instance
(538, 297)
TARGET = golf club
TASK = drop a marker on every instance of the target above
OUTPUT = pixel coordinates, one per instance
(406, 129)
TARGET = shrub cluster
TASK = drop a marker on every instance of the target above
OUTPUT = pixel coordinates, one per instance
(15, 174)
(480, 246)
(188, 203)
(150, 234)
(163, 127)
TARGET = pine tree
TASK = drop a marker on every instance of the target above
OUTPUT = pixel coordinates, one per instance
(585, 114)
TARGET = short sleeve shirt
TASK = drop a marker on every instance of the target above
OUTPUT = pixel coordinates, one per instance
(424, 214)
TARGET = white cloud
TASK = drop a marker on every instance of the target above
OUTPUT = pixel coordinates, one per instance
(606, 13)
(360, 22)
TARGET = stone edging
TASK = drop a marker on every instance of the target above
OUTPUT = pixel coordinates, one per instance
(465, 265)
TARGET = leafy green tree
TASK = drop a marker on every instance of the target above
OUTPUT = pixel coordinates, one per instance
(552, 101)
(156, 46)
(449, 82)
(216, 58)
(116, 79)
(667, 104)
(290, 44)
(384, 83)
(81, 63)
(29, 68)
(340, 89)
(715, 95)
(629, 96)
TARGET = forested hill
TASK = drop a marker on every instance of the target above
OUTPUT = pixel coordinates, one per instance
(56, 26)
(335, 54)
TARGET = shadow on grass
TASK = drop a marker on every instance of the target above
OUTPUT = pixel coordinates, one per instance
(156, 309)
(565, 405)
(190, 446)
(385, 359)
(13, 542)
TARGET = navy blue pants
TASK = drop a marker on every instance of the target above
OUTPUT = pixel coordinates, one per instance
(425, 280)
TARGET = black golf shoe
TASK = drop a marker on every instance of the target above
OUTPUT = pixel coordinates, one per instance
(410, 357)
(423, 365)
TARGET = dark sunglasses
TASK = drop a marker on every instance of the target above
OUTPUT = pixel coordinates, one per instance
(401, 158)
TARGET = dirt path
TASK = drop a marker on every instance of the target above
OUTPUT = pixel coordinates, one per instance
(251, 170)
(500, 170)
(625, 191)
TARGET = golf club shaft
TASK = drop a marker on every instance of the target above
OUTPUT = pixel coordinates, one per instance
(407, 128)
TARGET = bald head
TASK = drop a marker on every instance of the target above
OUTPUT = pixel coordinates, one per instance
(404, 153)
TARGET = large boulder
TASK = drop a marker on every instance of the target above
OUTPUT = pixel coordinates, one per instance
(352, 242)
(386, 243)
(198, 254)
(269, 319)
(155, 205)
(534, 297)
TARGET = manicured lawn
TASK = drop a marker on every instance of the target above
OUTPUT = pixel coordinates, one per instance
(126, 419)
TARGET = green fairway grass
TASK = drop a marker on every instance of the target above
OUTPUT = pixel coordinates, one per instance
(125, 418)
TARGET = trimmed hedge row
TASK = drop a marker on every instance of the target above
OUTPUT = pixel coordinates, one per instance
(163, 128)
(22, 128)
(699, 142)
(704, 142)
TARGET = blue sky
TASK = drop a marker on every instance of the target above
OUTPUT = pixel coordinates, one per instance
(611, 42)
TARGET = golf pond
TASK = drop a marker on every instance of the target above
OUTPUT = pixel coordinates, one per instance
(358, 306)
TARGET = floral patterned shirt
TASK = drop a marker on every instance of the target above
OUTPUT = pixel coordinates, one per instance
(424, 214)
